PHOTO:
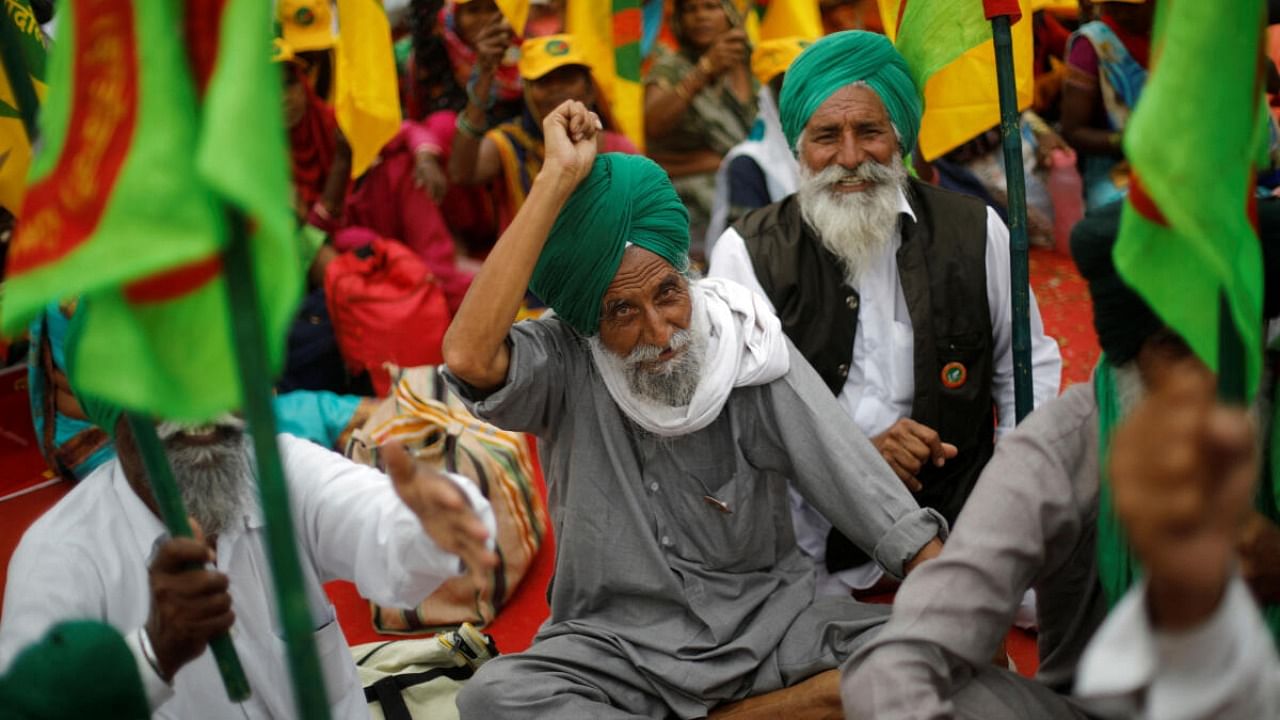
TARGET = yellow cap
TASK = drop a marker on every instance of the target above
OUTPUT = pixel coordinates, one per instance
(772, 57)
(282, 52)
(306, 24)
(541, 55)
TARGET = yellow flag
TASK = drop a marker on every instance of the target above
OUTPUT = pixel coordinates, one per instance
(15, 146)
(611, 31)
(1073, 5)
(961, 100)
(15, 149)
(366, 96)
(791, 18)
(516, 12)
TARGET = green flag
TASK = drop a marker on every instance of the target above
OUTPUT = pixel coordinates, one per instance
(109, 199)
(947, 44)
(1187, 237)
(199, 134)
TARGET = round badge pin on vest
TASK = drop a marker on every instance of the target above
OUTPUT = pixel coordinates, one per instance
(954, 375)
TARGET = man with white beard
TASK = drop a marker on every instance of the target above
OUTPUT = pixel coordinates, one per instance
(102, 553)
(896, 291)
(672, 415)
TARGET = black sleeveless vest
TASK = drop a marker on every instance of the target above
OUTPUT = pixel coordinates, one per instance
(942, 269)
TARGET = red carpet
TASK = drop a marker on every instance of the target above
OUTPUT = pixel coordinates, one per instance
(1064, 304)
(1063, 298)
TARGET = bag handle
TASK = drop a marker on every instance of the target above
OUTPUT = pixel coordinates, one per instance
(387, 691)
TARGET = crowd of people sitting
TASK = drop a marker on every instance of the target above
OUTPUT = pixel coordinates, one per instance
(770, 369)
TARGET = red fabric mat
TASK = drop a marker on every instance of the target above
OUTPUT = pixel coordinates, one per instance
(23, 466)
(1063, 297)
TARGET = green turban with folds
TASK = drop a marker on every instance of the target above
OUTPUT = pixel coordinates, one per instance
(839, 60)
(626, 199)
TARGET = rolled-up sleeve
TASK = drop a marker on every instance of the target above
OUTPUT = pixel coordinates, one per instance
(837, 470)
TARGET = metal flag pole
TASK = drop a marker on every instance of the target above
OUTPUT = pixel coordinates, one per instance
(1002, 14)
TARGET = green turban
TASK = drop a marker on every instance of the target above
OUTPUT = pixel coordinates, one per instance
(78, 669)
(625, 199)
(839, 60)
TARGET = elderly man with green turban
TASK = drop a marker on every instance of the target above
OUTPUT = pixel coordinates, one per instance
(896, 291)
(673, 414)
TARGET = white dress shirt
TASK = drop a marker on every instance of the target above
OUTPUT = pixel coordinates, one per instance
(1225, 669)
(881, 381)
(87, 557)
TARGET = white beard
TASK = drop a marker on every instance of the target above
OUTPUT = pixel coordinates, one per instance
(857, 227)
(670, 384)
(215, 479)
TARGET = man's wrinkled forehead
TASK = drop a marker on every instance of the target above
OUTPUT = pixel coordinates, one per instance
(856, 102)
(640, 268)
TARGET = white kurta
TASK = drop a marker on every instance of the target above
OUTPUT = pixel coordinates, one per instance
(1226, 668)
(88, 557)
(881, 380)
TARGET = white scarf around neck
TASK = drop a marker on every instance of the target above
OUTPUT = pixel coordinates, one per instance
(745, 347)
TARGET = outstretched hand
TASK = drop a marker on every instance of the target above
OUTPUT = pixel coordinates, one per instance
(569, 135)
(443, 511)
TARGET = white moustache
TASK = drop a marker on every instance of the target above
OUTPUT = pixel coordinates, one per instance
(227, 421)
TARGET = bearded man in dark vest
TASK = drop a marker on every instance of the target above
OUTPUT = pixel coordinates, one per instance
(897, 292)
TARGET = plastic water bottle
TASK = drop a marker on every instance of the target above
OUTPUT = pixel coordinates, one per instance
(1066, 190)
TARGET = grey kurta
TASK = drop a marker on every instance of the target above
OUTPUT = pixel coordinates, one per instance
(690, 604)
(1030, 522)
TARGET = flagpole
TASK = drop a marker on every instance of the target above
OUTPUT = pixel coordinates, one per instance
(1011, 133)
(15, 68)
(174, 514)
(249, 338)
(1231, 364)
(159, 474)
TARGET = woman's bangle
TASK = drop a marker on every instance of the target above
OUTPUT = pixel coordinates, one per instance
(148, 652)
(466, 128)
(704, 67)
